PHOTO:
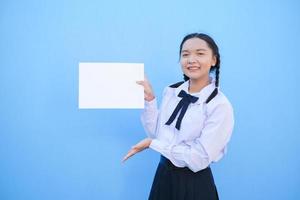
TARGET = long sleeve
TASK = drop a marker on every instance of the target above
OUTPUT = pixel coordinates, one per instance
(210, 146)
(149, 117)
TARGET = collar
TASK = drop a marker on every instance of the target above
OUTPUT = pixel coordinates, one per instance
(202, 95)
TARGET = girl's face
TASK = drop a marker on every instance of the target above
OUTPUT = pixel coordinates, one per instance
(196, 59)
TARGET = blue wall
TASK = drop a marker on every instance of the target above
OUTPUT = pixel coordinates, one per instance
(49, 149)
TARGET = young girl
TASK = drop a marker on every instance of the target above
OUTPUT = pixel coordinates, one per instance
(192, 127)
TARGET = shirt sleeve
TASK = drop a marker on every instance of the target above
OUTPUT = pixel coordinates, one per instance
(149, 117)
(203, 150)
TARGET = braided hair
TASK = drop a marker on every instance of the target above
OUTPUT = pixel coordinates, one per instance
(213, 46)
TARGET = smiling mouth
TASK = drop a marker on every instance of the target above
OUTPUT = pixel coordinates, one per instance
(193, 68)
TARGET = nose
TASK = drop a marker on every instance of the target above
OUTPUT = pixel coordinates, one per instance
(191, 59)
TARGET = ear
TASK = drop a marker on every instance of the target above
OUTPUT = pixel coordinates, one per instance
(214, 60)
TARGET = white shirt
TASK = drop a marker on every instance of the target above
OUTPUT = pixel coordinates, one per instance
(205, 128)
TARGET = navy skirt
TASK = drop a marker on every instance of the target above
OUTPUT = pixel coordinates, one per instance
(174, 183)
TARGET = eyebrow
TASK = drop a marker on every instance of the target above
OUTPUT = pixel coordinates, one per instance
(196, 50)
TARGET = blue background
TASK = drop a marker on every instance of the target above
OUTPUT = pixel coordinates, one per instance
(49, 149)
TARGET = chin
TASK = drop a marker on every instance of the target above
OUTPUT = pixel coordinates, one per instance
(193, 76)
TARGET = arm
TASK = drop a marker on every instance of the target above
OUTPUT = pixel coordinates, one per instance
(200, 152)
(150, 113)
(149, 117)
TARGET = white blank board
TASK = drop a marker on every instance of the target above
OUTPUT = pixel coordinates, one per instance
(110, 85)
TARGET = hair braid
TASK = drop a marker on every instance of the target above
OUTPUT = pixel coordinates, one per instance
(217, 75)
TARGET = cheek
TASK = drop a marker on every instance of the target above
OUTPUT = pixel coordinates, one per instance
(206, 62)
(183, 62)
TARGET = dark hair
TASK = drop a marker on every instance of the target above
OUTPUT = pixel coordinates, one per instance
(211, 43)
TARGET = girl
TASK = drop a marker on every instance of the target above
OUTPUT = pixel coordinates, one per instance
(192, 127)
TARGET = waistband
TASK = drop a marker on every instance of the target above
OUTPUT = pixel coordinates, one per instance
(166, 162)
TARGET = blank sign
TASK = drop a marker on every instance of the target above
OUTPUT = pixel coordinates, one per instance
(110, 85)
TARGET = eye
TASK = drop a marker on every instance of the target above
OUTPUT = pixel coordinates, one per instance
(184, 55)
(200, 54)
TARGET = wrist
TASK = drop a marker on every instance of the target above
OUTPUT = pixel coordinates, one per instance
(150, 98)
(149, 142)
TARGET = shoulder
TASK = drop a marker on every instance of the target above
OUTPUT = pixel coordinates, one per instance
(172, 87)
(221, 103)
(176, 85)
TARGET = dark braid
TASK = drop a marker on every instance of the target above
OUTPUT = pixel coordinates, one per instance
(211, 43)
(217, 75)
(216, 67)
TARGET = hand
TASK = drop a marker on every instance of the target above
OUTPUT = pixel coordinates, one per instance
(143, 144)
(148, 92)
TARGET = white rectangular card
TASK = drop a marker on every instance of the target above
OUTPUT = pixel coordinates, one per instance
(110, 85)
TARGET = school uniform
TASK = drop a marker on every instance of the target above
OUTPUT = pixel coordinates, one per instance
(190, 131)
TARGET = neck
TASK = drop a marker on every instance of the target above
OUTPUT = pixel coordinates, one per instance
(196, 85)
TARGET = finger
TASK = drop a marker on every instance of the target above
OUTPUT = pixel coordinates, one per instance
(126, 157)
(141, 83)
(129, 154)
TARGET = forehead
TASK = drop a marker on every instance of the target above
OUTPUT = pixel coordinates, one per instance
(195, 43)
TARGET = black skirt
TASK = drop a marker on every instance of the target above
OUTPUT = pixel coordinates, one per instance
(174, 183)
